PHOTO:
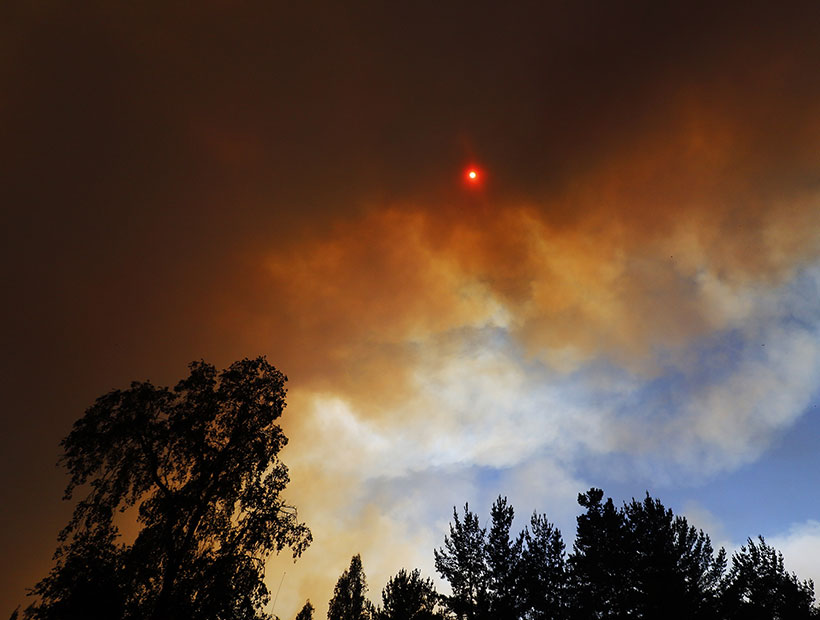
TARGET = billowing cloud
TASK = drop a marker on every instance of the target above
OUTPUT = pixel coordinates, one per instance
(633, 291)
(474, 399)
(800, 546)
(663, 330)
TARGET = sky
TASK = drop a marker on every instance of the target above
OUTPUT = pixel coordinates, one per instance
(629, 298)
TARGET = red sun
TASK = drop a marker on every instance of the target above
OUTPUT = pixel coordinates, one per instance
(473, 176)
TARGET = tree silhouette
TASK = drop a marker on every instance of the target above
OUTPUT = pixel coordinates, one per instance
(306, 612)
(544, 572)
(498, 575)
(674, 572)
(408, 597)
(638, 562)
(503, 563)
(462, 562)
(600, 570)
(758, 586)
(89, 580)
(349, 600)
(200, 462)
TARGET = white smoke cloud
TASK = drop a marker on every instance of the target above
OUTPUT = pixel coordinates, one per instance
(800, 546)
(480, 417)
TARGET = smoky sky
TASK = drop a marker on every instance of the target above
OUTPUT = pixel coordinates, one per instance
(231, 179)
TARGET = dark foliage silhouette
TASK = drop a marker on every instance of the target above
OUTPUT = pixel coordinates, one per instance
(200, 464)
(306, 613)
(674, 571)
(599, 564)
(758, 586)
(463, 563)
(349, 600)
(544, 577)
(636, 562)
(407, 596)
(504, 584)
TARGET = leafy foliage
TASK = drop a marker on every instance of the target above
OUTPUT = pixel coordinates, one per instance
(200, 463)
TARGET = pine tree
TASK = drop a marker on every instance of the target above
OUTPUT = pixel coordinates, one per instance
(544, 571)
(674, 571)
(503, 563)
(758, 587)
(349, 600)
(600, 570)
(306, 612)
(408, 597)
(462, 562)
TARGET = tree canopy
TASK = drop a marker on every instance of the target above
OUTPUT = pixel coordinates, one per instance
(197, 469)
(200, 465)
(463, 563)
(306, 613)
(639, 561)
(349, 600)
(544, 577)
(408, 596)
(758, 586)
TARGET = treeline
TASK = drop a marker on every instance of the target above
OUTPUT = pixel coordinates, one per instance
(199, 464)
(638, 561)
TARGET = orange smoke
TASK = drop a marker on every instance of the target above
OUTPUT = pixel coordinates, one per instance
(621, 263)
